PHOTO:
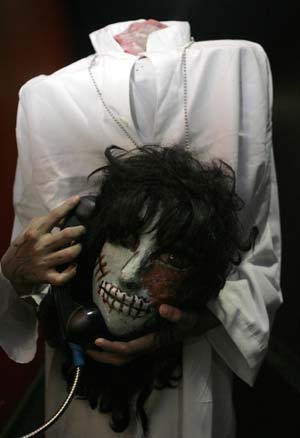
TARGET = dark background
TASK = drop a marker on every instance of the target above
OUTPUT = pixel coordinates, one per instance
(41, 36)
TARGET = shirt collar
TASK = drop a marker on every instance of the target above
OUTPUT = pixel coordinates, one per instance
(177, 34)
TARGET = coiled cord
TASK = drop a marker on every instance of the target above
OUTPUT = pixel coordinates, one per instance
(78, 361)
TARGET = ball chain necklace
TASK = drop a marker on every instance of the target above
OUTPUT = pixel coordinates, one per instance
(118, 121)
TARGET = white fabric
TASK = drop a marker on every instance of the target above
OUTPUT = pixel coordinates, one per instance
(143, 99)
(62, 132)
(18, 325)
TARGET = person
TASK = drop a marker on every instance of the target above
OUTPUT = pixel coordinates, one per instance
(214, 98)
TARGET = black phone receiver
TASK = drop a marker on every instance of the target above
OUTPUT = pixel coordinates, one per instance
(83, 211)
(62, 318)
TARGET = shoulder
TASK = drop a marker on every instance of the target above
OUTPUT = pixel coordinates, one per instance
(233, 44)
(235, 55)
(45, 85)
(230, 46)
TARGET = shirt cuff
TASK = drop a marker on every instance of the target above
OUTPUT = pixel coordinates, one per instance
(240, 341)
(18, 324)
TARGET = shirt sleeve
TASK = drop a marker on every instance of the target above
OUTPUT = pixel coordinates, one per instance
(247, 304)
(18, 322)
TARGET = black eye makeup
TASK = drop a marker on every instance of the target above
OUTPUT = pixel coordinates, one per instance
(130, 242)
(175, 260)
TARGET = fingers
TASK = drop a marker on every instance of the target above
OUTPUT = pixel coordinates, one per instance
(120, 353)
(138, 345)
(171, 313)
(32, 257)
(183, 324)
(46, 223)
(108, 358)
(60, 278)
(63, 256)
(61, 239)
(182, 320)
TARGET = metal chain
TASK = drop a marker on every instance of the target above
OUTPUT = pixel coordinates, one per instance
(185, 99)
(117, 121)
(185, 96)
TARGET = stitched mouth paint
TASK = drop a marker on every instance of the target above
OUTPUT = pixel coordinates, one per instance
(130, 305)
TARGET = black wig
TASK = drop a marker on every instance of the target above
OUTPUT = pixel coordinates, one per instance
(198, 218)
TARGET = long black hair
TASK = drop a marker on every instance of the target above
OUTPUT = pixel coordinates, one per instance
(194, 209)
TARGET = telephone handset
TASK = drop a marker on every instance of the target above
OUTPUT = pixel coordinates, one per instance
(62, 318)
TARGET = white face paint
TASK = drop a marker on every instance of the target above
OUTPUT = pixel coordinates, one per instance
(130, 280)
(117, 290)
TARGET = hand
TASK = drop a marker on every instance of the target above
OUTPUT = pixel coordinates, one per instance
(33, 256)
(183, 324)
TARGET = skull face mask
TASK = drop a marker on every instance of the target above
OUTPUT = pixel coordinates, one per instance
(131, 279)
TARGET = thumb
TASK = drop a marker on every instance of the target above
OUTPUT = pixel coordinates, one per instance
(170, 313)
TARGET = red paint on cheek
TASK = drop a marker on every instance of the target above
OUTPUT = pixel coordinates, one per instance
(162, 282)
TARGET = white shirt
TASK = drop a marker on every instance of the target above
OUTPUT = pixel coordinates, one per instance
(229, 101)
(143, 99)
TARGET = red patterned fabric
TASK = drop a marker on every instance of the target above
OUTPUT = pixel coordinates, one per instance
(134, 39)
